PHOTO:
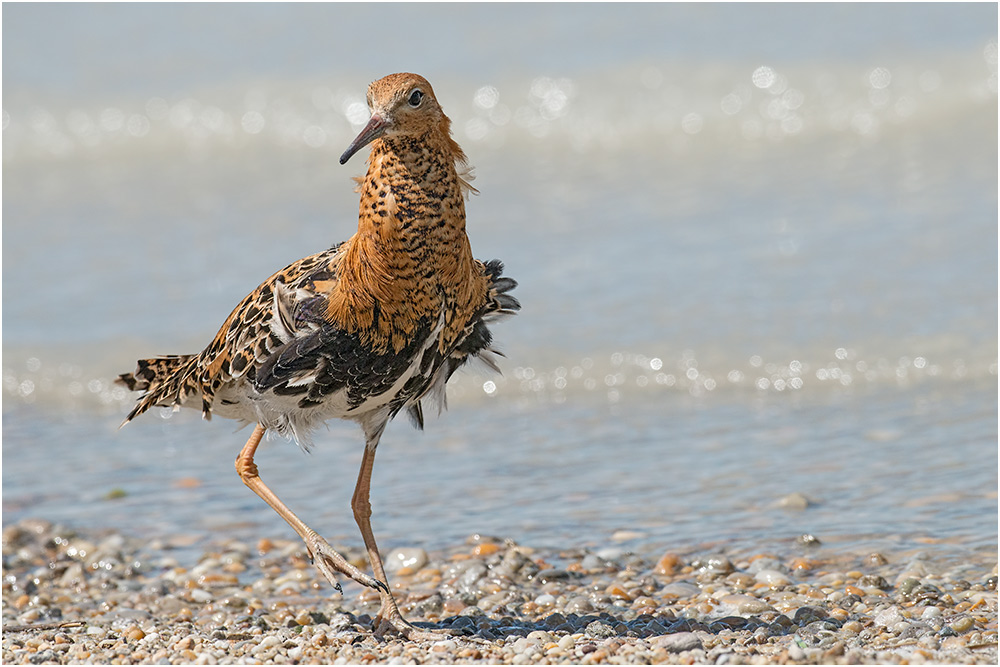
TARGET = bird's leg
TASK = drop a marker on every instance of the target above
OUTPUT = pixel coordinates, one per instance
(389, 619)
(326, 559)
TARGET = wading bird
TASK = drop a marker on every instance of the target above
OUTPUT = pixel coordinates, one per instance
(372, 326)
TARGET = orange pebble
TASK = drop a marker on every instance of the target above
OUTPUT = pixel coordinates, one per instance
(616, 591)
(485, 549)
(801, 564)
(667, 564)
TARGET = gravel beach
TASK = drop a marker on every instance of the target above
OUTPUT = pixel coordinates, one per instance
(107, 598)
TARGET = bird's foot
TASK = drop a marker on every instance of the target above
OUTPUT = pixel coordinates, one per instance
(389, 622)
(395, 624)
(329, 562)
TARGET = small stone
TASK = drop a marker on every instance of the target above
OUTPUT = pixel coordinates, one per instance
(713, 564)
(552, 574)
(485, 549)
(522, 644)
(568, 642)
(888, 617)
(539, 637)
(617, 591)
(796, 501)
(668, 564)
(962, 624)
(772, 578)
(680, 589)
(579, 604)
(805, 615)
(873, 581)
(599, 630)
(679, 642)
(554, 620)
(626, 535)
(412, 558)
(745, 604)
(876, 559)
(444, 646)
(610, 553)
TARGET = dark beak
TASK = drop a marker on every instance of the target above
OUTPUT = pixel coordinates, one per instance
(373, 130)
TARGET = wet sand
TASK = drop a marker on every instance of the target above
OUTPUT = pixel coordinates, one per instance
(107, 598)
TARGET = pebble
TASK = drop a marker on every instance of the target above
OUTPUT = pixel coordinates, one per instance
(408, 559)
(888, 617)
(668, 564)
(796, 501)
(772, 578)
(681, 641)
(261, 602)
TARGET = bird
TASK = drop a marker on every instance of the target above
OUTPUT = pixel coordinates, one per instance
(361, 331)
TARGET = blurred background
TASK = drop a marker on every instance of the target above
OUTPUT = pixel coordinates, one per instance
(756, 247)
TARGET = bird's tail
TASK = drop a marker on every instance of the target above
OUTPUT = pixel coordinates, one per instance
(167, 381)
(500, 303)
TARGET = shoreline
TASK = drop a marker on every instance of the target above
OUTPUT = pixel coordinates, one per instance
(97, 597)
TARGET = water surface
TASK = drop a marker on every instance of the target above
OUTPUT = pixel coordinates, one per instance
(756, 249)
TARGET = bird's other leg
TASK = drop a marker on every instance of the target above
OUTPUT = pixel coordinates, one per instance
(326, 559)
(389, 619)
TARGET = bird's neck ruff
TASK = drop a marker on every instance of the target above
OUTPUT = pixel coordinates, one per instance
(410, 258)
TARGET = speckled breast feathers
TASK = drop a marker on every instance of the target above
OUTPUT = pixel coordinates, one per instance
(369, 326)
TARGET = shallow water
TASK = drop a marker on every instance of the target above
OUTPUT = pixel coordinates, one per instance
(756, 252)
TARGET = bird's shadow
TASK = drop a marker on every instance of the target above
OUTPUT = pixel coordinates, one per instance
(811, 624)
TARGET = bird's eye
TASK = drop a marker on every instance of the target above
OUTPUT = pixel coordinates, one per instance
(415, 98)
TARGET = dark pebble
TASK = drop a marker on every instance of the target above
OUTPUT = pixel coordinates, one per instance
(783, 621)
(460, 622)
(687, 625)
(727, 623)
(653, 628)
(545, 576)
(554, 620)
(806, 615)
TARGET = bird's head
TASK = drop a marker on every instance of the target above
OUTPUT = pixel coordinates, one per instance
(401, 104)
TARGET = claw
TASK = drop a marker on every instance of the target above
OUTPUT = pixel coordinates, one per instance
(402, 628)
